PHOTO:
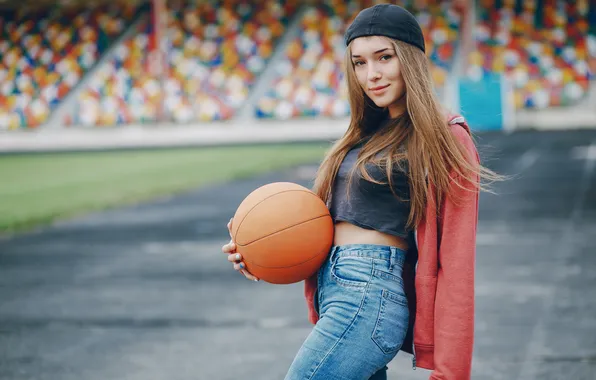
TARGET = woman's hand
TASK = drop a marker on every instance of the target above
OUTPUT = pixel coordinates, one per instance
(235, 257)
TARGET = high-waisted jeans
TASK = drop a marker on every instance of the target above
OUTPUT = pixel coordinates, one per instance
(363, 315)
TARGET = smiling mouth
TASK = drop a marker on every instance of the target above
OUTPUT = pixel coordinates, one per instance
(378, 89)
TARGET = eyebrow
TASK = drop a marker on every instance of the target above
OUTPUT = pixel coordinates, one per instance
(376, 52)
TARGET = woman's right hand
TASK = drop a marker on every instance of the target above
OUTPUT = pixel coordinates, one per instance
(235, 257)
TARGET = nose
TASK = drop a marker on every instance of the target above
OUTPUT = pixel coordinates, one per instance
(373, 74)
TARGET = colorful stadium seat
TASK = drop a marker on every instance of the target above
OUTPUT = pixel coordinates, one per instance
(45, 52)
(215, 52)
(546, 53)
(122, 90)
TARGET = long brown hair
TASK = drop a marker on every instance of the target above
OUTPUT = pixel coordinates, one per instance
(431, 151)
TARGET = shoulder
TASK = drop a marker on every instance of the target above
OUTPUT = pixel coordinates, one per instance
(459, 127)
(461, 131)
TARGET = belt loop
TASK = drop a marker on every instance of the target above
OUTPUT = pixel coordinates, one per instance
(332, 255)
(392, 258)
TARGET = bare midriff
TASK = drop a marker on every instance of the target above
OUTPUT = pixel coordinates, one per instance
(347, 233)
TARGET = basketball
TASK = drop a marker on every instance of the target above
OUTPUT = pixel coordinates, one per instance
(283, 231)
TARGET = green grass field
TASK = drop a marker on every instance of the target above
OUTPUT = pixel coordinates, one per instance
(40, 188)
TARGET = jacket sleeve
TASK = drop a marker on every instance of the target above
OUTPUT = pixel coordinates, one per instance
(454, 304)
(310, 290)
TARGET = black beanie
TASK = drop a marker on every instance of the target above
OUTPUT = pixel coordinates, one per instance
(387, 20)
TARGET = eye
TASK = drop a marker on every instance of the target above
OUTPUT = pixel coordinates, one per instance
(358, 63)
(386, 57)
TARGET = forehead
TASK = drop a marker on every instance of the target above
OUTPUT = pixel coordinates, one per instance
(368, 45)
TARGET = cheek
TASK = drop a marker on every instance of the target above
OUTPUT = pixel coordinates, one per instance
(361, 76)
(398, 79)
(395, 75)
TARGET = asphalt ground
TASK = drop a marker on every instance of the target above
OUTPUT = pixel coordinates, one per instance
(144, 292)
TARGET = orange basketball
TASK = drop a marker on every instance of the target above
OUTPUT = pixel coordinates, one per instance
(283, 231)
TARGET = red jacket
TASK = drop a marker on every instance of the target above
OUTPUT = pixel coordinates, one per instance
(441, 289)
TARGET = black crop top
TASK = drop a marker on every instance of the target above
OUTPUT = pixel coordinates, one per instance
(372, 206)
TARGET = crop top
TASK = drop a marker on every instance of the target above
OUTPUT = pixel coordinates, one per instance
(372, 206)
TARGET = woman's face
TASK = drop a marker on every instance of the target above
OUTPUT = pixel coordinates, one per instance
(378, 72)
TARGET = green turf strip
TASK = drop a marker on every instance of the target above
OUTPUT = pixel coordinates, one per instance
(40, 188)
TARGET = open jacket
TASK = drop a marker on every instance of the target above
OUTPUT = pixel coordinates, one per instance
(440, 288)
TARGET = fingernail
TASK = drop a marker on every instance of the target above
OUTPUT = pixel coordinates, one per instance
(237, 256)
(256, 280)
(242, 265)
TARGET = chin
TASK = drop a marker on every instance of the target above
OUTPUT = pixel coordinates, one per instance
(381, 103)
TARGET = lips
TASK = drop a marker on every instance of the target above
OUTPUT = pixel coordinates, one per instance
(378, 89)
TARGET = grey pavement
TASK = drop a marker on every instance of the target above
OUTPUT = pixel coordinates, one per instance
(144, 292)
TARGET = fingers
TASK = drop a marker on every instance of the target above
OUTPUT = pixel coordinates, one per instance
(249, 276)
(241, 267)
(229, 248)
(230, 228)
(235, 257)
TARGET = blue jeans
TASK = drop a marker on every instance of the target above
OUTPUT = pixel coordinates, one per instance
(363, 315)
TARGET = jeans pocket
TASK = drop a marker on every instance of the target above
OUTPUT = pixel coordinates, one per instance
(392, 323)
(352, 271)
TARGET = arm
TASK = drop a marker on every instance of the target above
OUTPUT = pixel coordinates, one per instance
(454, 305)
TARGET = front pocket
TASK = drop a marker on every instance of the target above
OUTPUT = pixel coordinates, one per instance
(352, 271)
(392, 323)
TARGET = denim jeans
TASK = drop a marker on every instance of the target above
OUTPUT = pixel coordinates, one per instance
(363, 315)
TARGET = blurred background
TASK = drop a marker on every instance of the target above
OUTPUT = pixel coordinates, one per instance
(131, 130)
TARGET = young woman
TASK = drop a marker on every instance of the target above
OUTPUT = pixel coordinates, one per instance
(402, 187)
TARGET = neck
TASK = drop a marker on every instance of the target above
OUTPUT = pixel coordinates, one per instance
(398, 108)
(396, 116)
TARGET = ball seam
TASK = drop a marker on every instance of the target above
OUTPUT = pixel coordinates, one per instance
(263, 200)
(283, 229)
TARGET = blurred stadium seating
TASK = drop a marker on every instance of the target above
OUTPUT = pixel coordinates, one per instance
(122, 90)
(216, 51)
(546, 51)
(309, 81)
(45, 52)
